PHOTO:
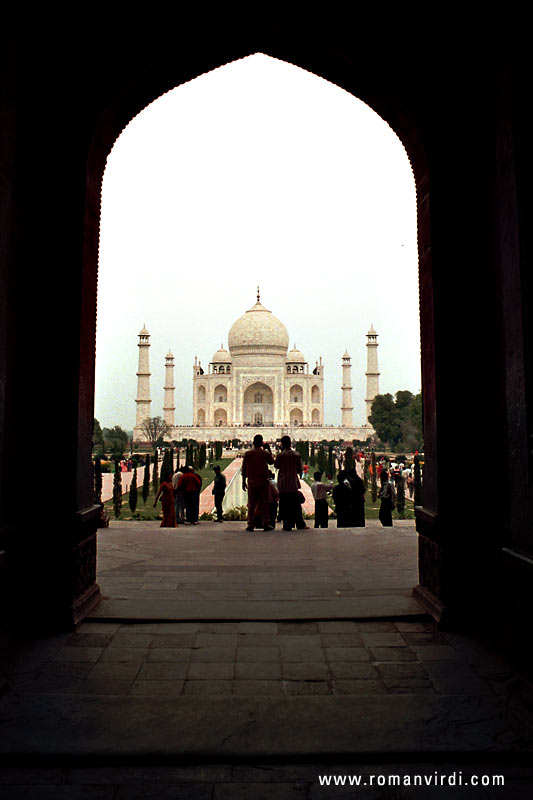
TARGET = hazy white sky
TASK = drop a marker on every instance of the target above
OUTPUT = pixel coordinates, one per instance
(256, 173)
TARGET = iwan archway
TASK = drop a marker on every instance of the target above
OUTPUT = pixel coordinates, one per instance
(258, 409)
(470, 156)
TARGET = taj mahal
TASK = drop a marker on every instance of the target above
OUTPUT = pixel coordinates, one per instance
(255, 386)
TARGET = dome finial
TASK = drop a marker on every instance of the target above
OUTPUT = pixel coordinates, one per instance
(258, 298)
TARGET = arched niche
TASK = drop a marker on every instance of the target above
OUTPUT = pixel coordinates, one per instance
(220, 394)
(296, 416)
(296, 393)
(139, 90)
(221, 417)
(258, 400)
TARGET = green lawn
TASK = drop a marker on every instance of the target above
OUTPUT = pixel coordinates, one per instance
(148, 512)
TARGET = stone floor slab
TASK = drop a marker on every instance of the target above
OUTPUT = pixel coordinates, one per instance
(241, 726)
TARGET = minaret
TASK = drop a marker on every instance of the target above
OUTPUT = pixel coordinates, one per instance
(169, 407)
(143, 379)
(346, 407)
(372, 372)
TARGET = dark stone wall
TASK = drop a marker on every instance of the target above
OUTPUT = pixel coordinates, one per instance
(463, 123)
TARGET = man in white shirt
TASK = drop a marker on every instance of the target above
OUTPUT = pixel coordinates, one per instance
(320, 491)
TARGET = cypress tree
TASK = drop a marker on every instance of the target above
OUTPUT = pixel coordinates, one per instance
(202, 456)
(312, 458)
(331, 462)
(146, 479)
(349, 462)
(97, 481)
(374, 479)
(133, 492)
(155, 474)
(365, 472)
(166, 465)
(117, 490)
(418, 481)
(322, 462)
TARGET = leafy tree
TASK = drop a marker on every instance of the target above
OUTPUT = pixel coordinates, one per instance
(154, 428)
(117, 490)
(384, 418)
(116, 441)
(404, 398)
(98, 436)
(133, 492)
(146, 480)
(398, 421)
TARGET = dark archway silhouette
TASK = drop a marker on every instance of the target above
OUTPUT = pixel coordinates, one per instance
(464, 125)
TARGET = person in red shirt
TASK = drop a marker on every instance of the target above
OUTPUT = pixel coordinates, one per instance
(190, 484)
(289, 464)
(255, 480)
(167, 502)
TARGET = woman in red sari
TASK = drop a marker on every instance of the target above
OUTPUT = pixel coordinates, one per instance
(167, 502)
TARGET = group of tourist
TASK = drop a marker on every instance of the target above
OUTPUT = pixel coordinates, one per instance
(180, 497)
(270, 500)
(349, 499)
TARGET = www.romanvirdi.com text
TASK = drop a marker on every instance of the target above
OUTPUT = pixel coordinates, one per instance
(451, 779)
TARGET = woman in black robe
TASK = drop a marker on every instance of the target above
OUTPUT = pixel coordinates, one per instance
(343, 498)
(358, 499)
(387, 495)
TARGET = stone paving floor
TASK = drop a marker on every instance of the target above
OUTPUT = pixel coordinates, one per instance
(213, 570)
(254, 659)
(258, 708)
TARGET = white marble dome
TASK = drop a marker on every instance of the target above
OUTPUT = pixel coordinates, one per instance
(221, 357)
(258, 331)
(295, 356)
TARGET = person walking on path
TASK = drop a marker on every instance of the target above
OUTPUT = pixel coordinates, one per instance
(358, 499)
(166, 492)
(289, 465)
(218, 492)
(255, 480)
(320, 491)
(343, 498)
(387, 495)
(190, 484)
